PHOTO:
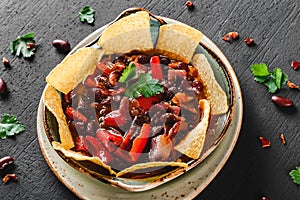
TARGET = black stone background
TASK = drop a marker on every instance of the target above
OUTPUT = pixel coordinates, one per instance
(250, 171)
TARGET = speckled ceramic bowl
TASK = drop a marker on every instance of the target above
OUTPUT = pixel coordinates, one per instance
(199, 173)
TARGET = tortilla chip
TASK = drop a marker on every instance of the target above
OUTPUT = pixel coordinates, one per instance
(81, 157)
(178, 41)
(74, 68)
(127, 34)
(191, 145)
(53, 103)
(217, 97)
(148, 165)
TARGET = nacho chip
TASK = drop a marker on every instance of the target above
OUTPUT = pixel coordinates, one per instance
(148, 165)
(127, 34)
(217, 97)
(191, 145)
(73, 69)
(178, 41)
(81, 157)
(53, 103)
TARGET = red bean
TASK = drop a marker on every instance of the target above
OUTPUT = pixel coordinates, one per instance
(62, 45)
(5, 161)
(282, 101)
(3, 87)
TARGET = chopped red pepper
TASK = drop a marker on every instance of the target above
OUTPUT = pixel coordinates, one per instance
(81, 144)
(103, 134)
(119, 117)
(147, 103)
(75, 115)
(139, 143)
(97, 149)
(156, 68)
(126, 142)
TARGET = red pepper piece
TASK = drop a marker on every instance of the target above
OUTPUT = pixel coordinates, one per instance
(119, 117)
(103, 134)
(75, 115)
(147, 103)
(126, 144)
(97, 149)
(81, 144)
(139, 143)
(156, 68)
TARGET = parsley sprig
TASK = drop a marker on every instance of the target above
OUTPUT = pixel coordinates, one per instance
(145, 84)
(295, 175)
(23, 46)
(273, 80)
(87, 14)
(10, 126)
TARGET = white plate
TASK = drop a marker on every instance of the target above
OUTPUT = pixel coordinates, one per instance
(187, 185)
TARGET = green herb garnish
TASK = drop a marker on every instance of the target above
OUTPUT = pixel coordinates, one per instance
(23, 45)
(145, 85)
(87, 14)
(273, 80)
(128, 73)
(295, 175)
(10, 126)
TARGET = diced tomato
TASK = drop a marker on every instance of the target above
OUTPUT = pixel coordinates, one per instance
(97, 149)
(139, 143)
(156, 68)
(75, 115)
(147, 103)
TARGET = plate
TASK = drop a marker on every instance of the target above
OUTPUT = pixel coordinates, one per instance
(187, 185)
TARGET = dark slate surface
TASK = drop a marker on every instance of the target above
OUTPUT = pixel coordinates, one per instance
(250, 171)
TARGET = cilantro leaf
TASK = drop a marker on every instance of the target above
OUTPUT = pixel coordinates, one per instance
(21, 45)
(128, 73)
(87, 14)
(295, 175)
(271, 85)
(260, 79)
(277, 76)
(260, 69)
(10, 126)
(272, 80)
(145, 86)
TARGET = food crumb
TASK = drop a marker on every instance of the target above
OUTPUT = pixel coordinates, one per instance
(292, 85)
(283, 141)
(5, 62)
(189, 5)
(249, 41)
(231, 36)
(264, 142)
(295, 64)
(7, 177)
